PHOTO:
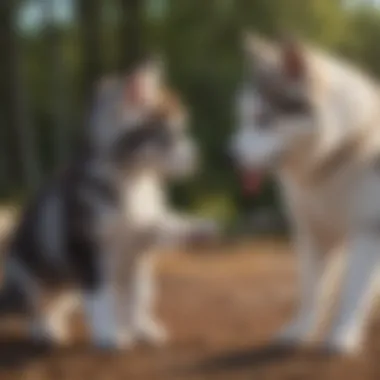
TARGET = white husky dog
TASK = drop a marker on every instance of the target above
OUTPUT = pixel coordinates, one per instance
(314, 121)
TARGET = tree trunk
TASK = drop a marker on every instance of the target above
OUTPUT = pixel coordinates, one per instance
(23, 163)
(12, 164)
(4, 163)
(89, 12)
(131, 32)
(57, 90)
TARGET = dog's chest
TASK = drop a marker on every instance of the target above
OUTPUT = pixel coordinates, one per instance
(343, 204)
(143, 201)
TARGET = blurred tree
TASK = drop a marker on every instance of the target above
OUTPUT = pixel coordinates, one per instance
(201, 42)
(362, 40)
(90, 24)
(23, 162)
(131, 21)
(57, 83)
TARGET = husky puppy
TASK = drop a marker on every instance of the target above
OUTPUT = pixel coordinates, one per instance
(313, 121)
(93, 226)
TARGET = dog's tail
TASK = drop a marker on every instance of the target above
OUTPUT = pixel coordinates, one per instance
(13, 299)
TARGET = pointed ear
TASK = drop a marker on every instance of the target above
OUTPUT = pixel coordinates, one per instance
(293, 59)
(143, 86)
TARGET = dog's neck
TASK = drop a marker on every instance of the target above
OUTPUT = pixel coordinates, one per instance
(354, 150)
(348, 135)
(310, 165)
(142, 189)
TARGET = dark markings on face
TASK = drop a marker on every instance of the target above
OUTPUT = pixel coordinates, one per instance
(279, 101)
(155, 132)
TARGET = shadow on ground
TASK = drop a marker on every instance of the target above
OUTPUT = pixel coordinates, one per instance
(16, 352)
(255, 357)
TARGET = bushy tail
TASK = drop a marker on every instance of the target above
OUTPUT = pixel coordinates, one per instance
(12, 296)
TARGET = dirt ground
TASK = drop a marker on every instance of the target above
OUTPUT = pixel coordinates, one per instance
(221, 307)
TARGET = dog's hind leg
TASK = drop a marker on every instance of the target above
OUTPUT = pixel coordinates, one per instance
(359, 290)
(51, 323)
(18, 274)
(46, 322)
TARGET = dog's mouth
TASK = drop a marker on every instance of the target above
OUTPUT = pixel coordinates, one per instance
(252, 181)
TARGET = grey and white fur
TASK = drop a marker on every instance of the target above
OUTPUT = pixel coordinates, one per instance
(89, 234)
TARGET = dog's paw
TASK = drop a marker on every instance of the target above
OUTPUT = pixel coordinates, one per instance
(286, 342)
(152, 332)
(57, 334)
(291, 334)
(347, 345)
(114, 340)
(123, 341)
(126, 339)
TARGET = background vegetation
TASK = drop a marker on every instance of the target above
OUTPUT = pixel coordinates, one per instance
(52, 51)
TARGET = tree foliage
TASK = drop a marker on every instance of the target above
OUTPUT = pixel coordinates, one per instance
(200, 41)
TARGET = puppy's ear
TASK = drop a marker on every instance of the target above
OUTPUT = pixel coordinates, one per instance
(293, 58)
(143, 87)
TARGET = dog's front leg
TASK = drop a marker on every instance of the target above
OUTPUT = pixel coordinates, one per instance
(358, 293)
(141, 314)
(328, 288)
(309, 269)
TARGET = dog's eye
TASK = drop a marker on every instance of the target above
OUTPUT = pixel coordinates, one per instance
(284, 103)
